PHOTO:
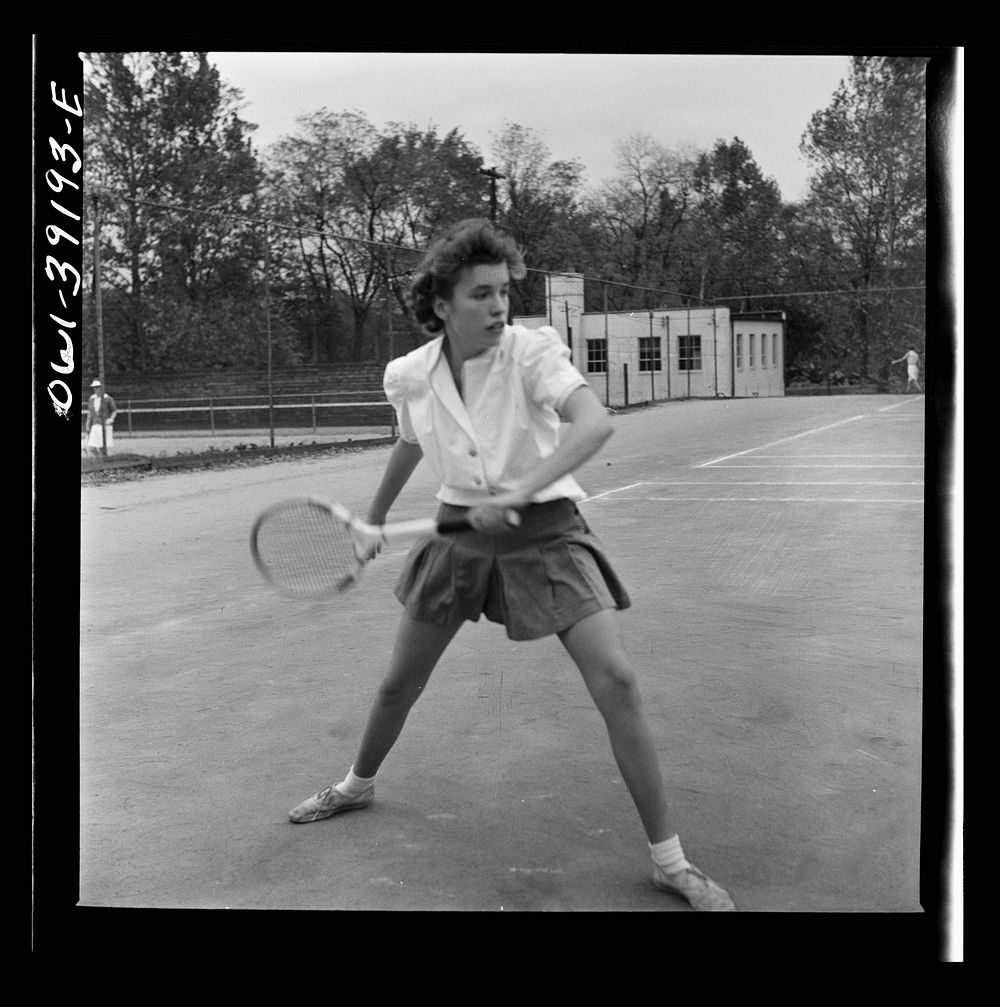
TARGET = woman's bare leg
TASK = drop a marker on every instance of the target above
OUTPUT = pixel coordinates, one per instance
(596, 647)
(418, 647)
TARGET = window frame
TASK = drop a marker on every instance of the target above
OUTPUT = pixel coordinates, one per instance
(650, 353)
(597, 354)
(689, 353)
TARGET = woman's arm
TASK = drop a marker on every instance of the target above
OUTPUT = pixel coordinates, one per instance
(403, 459)
(588, 429)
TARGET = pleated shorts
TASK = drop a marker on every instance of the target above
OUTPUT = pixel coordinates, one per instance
(536, 580)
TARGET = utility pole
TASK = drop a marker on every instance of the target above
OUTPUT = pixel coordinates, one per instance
(99, 315)
(493, 175)
(270, 340)
(99, 312)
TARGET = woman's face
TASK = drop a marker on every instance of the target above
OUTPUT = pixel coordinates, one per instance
(476, 313)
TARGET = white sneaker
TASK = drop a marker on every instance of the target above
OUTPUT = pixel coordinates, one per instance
(700, 891)
(328, 802)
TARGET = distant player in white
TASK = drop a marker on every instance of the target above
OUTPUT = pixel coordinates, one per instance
(912, 359)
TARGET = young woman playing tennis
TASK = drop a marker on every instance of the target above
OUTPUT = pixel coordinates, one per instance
(482, 403)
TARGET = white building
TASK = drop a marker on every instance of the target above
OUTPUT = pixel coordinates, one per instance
(666, 353)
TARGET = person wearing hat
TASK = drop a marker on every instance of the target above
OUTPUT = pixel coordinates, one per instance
(101, 413)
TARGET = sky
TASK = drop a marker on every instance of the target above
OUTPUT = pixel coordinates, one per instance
(580, 105)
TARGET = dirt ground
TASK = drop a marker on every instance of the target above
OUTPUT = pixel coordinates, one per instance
(774, 552)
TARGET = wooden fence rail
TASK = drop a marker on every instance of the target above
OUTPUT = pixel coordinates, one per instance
(236, 412)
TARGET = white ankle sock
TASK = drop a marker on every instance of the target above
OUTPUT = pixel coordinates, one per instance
(668, 855)
(352, 785)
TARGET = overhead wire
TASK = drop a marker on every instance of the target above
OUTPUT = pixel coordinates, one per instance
(382, 244)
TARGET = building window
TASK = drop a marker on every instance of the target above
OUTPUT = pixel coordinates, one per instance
(689, 353)
(597, 356)
(774, 349)
(649, 354)
(739, 351)
(752, 351)
(763, 349)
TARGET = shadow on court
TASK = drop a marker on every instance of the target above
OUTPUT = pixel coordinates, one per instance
(773, 550)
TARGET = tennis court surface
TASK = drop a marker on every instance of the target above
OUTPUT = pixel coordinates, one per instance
(774, 552)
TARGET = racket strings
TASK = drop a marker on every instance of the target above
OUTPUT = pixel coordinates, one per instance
(305, 550)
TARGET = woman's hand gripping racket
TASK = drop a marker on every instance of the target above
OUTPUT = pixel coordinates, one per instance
(311, 548)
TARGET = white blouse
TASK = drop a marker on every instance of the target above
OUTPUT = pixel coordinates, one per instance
(507, 422)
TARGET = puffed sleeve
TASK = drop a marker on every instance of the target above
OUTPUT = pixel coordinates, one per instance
(395, 391)
(549, 374)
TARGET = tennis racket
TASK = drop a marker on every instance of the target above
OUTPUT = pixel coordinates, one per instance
(311, 548)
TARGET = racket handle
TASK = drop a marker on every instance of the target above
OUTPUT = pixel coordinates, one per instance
(462, 524)
(410, 529)
(448, 527)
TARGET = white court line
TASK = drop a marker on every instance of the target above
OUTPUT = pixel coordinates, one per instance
(784, 440)
(810, 455)
(821, 500)
(606, 493)
(821, 466)
(896, 405)
(783, 482)
(762, 447)
(732, 499)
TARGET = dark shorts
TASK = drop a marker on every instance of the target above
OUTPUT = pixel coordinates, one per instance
(538, 579)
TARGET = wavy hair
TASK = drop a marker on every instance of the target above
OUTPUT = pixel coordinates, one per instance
(471, 242)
